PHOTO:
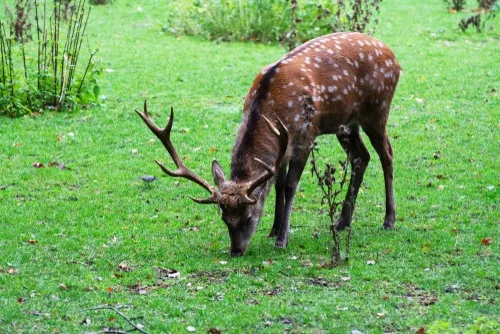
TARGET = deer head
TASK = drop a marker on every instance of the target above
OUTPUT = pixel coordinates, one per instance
(241, 202)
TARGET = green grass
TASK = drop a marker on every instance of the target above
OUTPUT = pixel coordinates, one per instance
(85, 220)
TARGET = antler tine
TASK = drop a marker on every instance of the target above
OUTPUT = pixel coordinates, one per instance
(282, 135)
(182, 171)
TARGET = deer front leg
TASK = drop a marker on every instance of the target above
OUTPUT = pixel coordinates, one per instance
(279, 207)
(295, 169)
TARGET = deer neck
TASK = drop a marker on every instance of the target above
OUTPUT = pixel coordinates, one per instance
(254, 140)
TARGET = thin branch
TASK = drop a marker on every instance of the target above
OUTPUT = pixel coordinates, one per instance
(115, 309)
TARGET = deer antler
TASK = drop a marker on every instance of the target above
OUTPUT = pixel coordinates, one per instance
(182, 171)
(282, 135)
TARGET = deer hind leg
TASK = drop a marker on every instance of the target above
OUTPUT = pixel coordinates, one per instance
(359, 159)
(279, 207)
(295, 169)
(381, 144)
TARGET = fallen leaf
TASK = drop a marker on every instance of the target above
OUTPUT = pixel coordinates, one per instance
(293, 257)
(38, 165)
(440, 187)
(355, 331)
(437, 155)
(214, 331)
(420, 101)
(134, 151)
(21, 300)
(370, 262)
(169, 273)
(343, 308)
(345, 278)
(454, 230)
(86, 322)
(421, 330)
(12, 271)
(223, 262)
(123, 266)
(63, 286)
(487, 241)
(59, 165)
(109, 289)
(267, 262)
(190, 329)
(32, 241)
(212, 149)
(381, 314)
(185, 130)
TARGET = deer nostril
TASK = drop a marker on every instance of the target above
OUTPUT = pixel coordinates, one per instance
(236, 253)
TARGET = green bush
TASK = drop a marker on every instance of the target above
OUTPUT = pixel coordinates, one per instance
(240, 20)
(47, 73)
(268, 20)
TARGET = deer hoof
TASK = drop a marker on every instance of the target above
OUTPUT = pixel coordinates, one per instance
(280, 244)
(273, 234)
(389, 223)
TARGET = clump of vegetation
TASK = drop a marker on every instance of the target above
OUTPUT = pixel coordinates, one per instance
(456, 5)
(288, 21)
(487, 11)
(339, 15)
(46, 75)
(486, 4)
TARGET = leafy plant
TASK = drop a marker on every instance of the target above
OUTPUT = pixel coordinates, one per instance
(288, 21)
(46, 75)
(486, 4)
(487, 11)
(339, 15)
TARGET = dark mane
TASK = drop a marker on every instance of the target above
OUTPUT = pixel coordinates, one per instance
(249, 125)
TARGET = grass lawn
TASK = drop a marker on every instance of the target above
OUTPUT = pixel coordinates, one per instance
(93, 234)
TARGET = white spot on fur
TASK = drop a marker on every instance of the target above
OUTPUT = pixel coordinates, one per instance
(332, 89)
(290, 104)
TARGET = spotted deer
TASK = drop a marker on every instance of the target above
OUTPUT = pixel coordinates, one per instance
(333, 84)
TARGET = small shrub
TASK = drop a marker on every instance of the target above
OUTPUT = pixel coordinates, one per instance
(45, 75)
(339, 15)
(487, 11)
(486, 4)
(457, 5)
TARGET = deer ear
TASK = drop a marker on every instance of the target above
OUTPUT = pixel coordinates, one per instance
(218, 173)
